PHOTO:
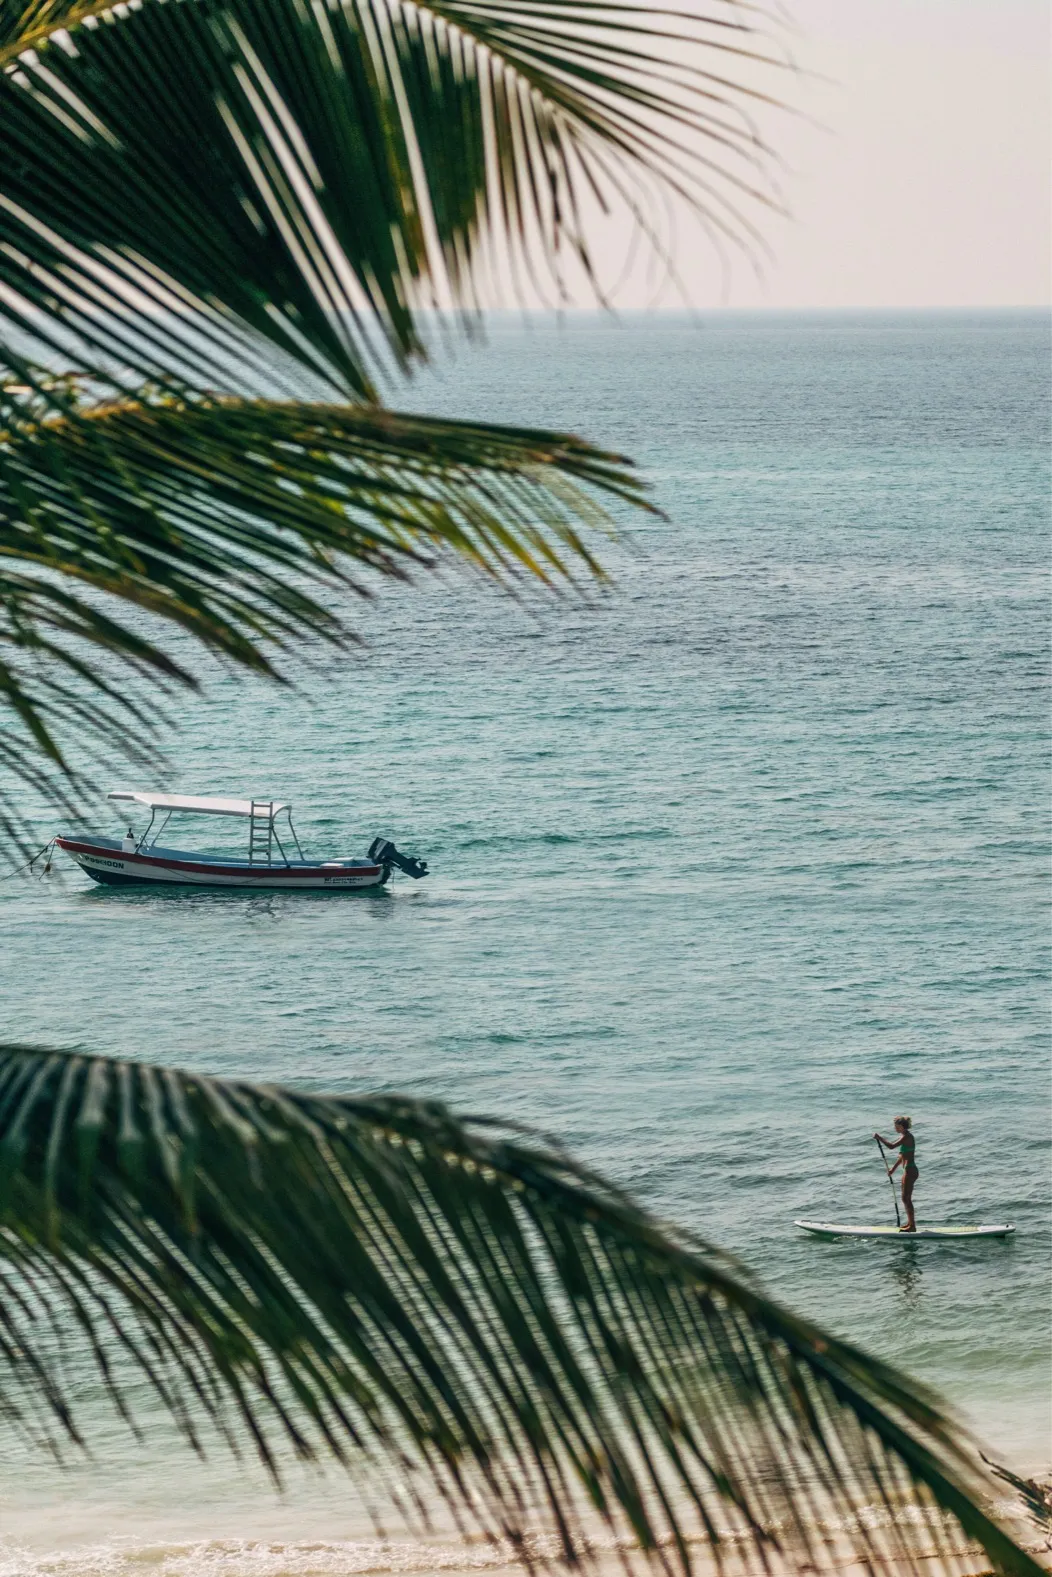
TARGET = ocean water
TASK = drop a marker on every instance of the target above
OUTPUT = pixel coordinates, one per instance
(729, 865)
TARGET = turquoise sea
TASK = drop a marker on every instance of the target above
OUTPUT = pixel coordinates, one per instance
(730, 865)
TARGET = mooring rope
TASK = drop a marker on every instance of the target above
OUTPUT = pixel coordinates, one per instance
(28, 866)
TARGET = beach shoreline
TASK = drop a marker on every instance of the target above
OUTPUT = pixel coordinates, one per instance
(125, 1556)
(317, 1529)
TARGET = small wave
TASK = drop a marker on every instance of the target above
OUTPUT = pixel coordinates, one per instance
(251, 1558)
(364, 1557)
(585, 838)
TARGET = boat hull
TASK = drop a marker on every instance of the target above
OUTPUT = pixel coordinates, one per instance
(114, 867)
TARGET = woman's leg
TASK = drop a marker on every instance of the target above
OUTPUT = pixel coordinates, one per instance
(909, 1177)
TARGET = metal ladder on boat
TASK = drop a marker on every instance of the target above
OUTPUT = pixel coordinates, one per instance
(261, 832)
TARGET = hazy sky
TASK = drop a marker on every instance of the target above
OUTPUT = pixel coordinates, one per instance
(926, 182)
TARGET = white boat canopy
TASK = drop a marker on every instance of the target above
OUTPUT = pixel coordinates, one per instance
(199, 805)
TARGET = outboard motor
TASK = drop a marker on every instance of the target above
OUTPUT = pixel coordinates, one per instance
(383, 851)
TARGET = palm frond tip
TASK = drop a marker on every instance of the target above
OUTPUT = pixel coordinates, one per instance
(240, 522)
(418, 1295)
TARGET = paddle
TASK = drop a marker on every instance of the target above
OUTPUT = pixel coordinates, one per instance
(887, 1168)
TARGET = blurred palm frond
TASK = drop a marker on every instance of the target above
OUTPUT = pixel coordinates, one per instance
(448, 1305)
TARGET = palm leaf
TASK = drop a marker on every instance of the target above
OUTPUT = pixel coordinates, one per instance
(218, 190)
(449, 1304)
(238, 521)
(256, 197)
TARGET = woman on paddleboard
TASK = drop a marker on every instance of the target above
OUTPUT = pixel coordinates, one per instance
(906, 1145)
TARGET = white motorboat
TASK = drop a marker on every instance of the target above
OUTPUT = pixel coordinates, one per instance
(268, 861)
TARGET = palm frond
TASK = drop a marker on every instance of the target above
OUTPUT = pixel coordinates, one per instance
(449, 1305)
(214, 190)
(237, 521)
(258, 199)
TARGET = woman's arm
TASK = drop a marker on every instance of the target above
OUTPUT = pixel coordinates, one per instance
(889, 1144)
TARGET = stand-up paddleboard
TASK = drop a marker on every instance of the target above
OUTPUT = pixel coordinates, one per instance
(828, 1229)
